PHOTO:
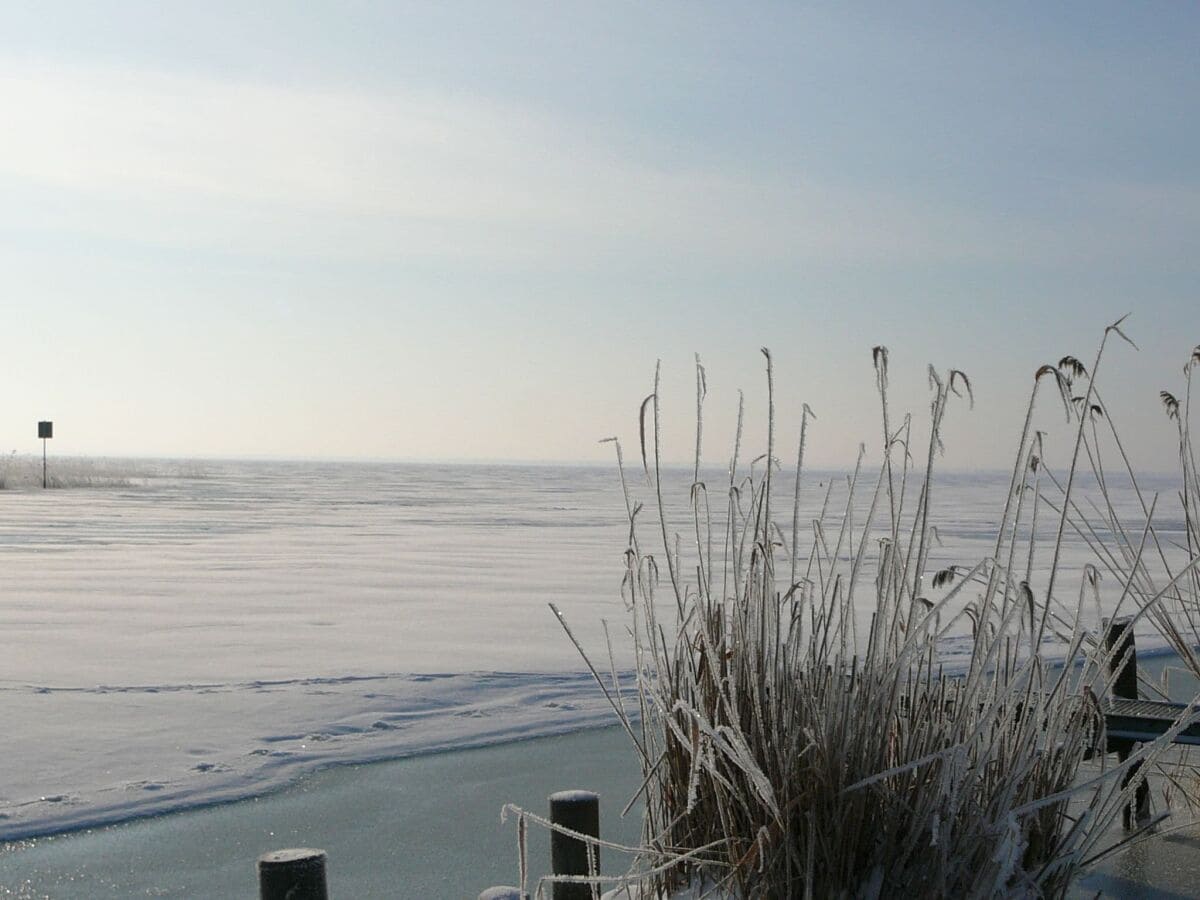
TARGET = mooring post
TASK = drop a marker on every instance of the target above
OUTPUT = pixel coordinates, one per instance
(297, 874)
(1118, 633)
(503, 892)
(580, 812)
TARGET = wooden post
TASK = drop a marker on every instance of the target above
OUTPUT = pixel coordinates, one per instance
(292, 875)
(503, 892)
(578, 811)
(1118, 633)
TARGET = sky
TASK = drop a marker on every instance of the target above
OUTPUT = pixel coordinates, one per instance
(468, 231)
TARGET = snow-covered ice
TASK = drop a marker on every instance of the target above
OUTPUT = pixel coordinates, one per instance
(180, 634)
(179, 640)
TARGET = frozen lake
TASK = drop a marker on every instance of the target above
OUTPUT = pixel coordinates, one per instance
(181, 634)
(182, 638)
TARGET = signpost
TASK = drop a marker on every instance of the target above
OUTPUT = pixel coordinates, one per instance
(45, 432)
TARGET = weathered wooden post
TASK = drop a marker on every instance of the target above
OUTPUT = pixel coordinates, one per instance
(580, 812)
(297, 874)
(1118, 633)
(504, 892)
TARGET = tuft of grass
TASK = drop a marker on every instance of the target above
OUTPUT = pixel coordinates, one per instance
(799, 733)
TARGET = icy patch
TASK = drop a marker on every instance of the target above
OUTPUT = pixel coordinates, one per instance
(137, 753)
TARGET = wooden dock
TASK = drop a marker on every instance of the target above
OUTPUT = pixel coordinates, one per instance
(1146, 720)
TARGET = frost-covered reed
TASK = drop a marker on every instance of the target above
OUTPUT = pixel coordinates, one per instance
(791, 750)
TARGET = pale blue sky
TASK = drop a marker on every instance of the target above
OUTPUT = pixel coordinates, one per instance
(467, 230)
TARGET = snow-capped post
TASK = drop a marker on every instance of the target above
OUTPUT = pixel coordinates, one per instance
(292, 875)
(504, 892)
(578, 811)
(1119, 633)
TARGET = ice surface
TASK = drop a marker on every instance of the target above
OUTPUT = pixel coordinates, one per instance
(176, 635)
(102, 755)
(192, 639)
(426, 827)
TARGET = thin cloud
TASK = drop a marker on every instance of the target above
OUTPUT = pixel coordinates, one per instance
(161, 158)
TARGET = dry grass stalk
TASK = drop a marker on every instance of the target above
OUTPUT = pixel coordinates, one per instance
(786, 754)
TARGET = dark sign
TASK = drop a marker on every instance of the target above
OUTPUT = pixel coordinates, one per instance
(45, 429)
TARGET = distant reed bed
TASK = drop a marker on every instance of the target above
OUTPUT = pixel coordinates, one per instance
(24, 472)
(793, 747)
